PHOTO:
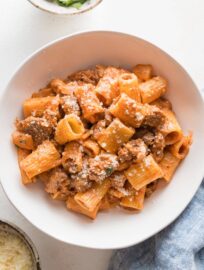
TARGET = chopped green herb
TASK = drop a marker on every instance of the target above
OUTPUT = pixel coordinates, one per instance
(71, 3)
(109, 171)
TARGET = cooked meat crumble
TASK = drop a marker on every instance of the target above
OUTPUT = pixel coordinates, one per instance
(154, 118)
(80, 181)
(102, 166)
(70, 105)
(134, 150)
(72, 157)
(156, 142)
(39, 128)
(58, 184)
(118, 180)
(88, 76)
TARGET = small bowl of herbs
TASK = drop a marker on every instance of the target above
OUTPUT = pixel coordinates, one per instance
(65, 7)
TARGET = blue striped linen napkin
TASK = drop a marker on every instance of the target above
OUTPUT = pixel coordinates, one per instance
(178, 247)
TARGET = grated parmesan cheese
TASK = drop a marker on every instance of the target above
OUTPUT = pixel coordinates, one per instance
(14, 254)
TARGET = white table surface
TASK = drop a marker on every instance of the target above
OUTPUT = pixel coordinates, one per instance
(175, 26)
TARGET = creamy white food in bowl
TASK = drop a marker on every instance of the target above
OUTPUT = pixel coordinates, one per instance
(16, 249)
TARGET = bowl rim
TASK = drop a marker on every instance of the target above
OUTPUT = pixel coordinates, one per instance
(77, 12)
(25, 238)
(85, 32)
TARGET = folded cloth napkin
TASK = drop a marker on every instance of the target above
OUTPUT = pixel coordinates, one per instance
(178, 247)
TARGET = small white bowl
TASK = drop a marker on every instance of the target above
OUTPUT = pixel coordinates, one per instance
(116, 228)
(54, 8)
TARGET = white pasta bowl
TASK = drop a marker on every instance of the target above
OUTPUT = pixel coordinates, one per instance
(115, 228)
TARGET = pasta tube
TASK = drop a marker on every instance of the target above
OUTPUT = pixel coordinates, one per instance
(143, 72)
(128, 111)
(107, 88)
(152, 89)
(75, 207)
(171, 128)
(168, 164)
(36, 105)
(60, 87)
(115, 135)
(128, 84)
(90, 104)
(23, 140)
(91, 147)
(91, 198)
(68, 129)
(141, 174)
(181, 148)
(22, 154)
(105, 204)
(44, 158)
(134, 201)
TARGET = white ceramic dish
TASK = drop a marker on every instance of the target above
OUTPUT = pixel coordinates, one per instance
(116, 228)
(51, 7)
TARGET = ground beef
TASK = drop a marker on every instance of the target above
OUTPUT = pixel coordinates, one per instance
(98, 128)
(154, 117)
(81, 184)
(39, 128)
(51, 117)
(134, 150)
(88, 76)
(80, 181)
(70, 104)
(102, 166)
(72, 157)
(52, 113)
(148, 138)
(151, 188)
(58, 184)
(156, 143)
(118, 180)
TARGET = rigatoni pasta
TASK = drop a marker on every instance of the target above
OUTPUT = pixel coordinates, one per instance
(101, 138)
(68, 129)
(90, 104)
(168, 164)
(44, 158)
(181, 148)
(23, 140)
(107, 87)
(171, 128)
(91, 198)
(141, 174)
(152, 89)
(36, 105)
(22, 154)
(136, 201)
(143, 72)
(128, 84)
(115, 135)
(74, 206)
